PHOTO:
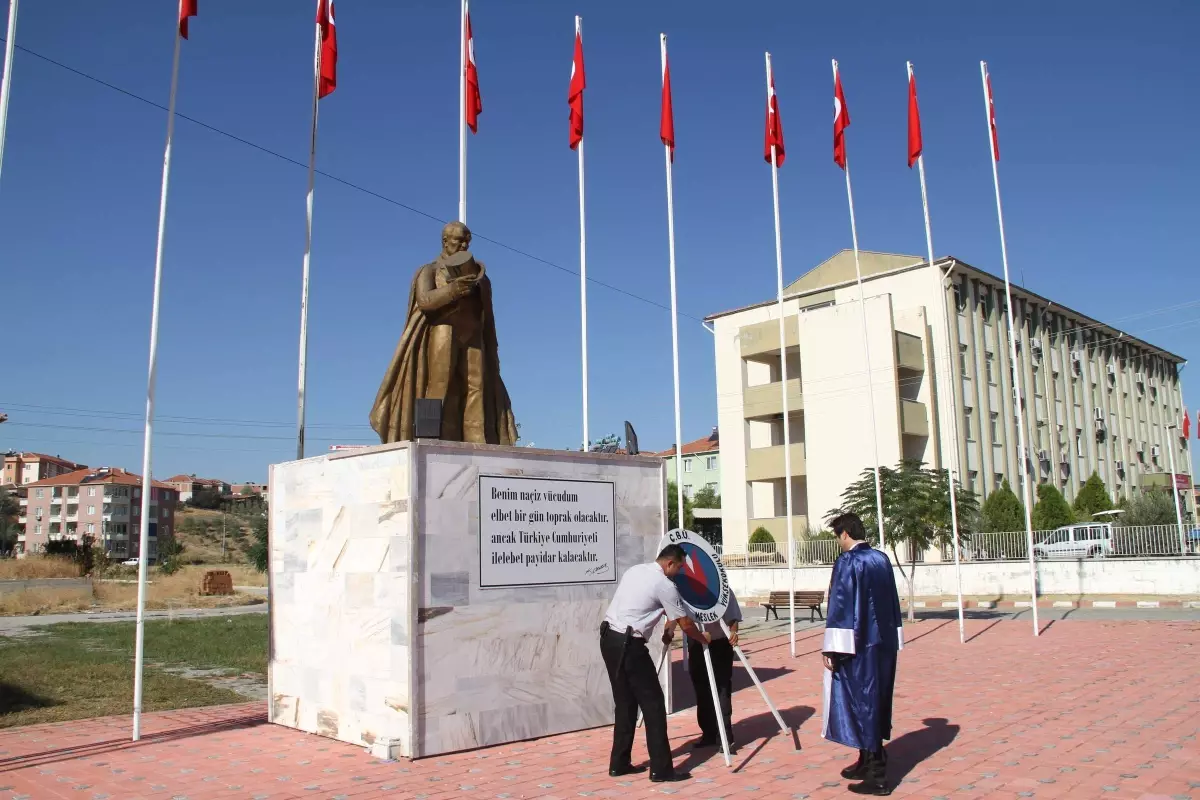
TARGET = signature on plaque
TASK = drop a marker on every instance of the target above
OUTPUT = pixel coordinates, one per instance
(597, 570)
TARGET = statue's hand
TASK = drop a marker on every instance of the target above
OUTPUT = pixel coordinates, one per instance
(460, 288)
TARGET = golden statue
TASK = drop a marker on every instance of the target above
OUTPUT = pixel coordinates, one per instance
(448, 352)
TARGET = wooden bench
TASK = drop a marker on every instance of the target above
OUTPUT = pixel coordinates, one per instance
(810, 600)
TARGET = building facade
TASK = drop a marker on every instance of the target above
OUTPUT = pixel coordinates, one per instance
(1093, 398)
(22, 468)
(104, 503)
(701, 464)
(189, 485)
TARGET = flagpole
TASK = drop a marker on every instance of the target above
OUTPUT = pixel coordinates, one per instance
(953, 416)
(10, 47)
(1012, 344)
(1171, 436)
(462, 115)
(783, 373)
(583, 273)
(674, 310)
(308, 226)
(139, 648)
(862, 306)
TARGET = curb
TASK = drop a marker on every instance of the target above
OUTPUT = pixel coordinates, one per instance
(1193, 604)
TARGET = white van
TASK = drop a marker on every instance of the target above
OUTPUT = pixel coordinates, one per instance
(1085, 540)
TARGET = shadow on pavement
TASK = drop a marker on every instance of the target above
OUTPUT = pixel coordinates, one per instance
(759, 729)
(905, 753)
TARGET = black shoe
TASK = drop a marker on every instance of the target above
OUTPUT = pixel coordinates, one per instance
(856, 771)
(670, 777)
(703, 742)
(871, 788)
(617, 772)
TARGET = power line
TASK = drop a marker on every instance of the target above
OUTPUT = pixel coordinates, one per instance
(343, 181)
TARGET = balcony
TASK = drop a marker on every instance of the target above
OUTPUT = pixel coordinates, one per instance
(763, 337)
(766, 400)
(766, 463)
(910, 354)
(914, 420)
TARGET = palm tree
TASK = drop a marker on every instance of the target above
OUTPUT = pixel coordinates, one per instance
(916, 510)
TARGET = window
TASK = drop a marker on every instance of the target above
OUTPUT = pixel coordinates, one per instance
(91, 509)
(162, 513)
(687, 465)
(91, 491)
(998, 479)
(710, 463)
(995, 428)
(967, 423)
(988, 368)
(687, 491)
(712, 487)
(37, 528)
(972, 479)
(91, 528)
(962, 360)
(1078, 442)
(41, 493)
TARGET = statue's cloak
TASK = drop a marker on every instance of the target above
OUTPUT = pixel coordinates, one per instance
(407, 375)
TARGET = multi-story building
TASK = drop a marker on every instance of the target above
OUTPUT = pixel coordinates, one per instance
(701, 464)
(248, 488)
(22, 468)
(188, 485)
(1093, 397)
(104, 503)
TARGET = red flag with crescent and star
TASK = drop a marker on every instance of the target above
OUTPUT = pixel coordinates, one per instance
(187, 8)
(992, 118)
(474, 100)
(841, 120)
(327, 80)
(915, 142)
(575, 92)
(1187, 424)
(774, 135)
(666, 120)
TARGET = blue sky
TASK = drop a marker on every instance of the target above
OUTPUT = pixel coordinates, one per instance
(1096, 112)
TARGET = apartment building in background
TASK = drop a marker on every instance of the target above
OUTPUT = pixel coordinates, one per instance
(22, 468)
(188, 485)
(1094, 398)
(701, 464)
(104, 503)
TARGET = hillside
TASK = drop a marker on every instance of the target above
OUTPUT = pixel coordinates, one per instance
(200, 533)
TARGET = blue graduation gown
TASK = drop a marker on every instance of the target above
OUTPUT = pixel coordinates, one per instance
(863, 622)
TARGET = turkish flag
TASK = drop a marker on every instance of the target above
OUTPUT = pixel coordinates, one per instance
(187, 8)
(841, 121)
(575, 93)
(666, 122)
(992, 119)
(1187, 424)
(915, 145)
(474, 101)
(774, 134)
(327, 81)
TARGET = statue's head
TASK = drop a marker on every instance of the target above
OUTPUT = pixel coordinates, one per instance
(456, 237)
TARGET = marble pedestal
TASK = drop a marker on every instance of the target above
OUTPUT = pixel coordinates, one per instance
(394, 626)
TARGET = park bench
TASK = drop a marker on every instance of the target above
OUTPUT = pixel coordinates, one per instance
(809, 600)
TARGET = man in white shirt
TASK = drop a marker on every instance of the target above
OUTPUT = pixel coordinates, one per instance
(721, 648)
(643, 596)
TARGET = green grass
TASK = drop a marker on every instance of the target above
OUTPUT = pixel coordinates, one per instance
(83, 670)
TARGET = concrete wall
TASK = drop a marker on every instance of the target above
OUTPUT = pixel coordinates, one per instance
(1007, 579)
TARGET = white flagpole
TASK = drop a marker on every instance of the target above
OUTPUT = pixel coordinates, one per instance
(147, 445)
(583, 272)
(866, 345)
(948, 390)
(10, 47)
(674, 310)
(1012, 344)
(462, 116)
(783, 375)
(308, 226)
(1171, 435)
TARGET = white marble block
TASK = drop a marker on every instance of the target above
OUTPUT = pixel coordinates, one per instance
(395, 626)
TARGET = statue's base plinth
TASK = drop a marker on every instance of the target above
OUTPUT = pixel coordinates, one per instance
(396, 625)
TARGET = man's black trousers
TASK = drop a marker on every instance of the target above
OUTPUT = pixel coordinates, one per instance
(722, 661)
(635, 685)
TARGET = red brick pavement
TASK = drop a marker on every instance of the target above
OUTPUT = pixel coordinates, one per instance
(1089, 710)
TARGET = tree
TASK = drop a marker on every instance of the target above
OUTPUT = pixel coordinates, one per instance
(1002, 512)
(246, 491)
(206, 498)
(1092, 498)
(707, 498)
(1150, 508)
(689, 518)
(916, 511)
(258, 550)
(1051, 510)
(10, 509)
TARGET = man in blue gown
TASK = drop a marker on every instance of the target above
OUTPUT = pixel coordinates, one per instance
(863, 633)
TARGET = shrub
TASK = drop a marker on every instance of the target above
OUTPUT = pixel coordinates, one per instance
(1092, 498)
(1051, 510)
(761, 536)
(1002, 511)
